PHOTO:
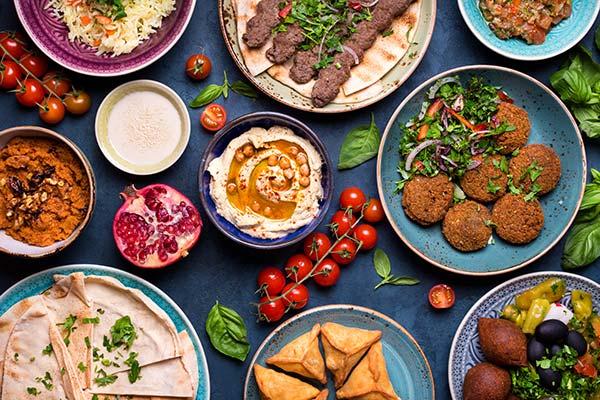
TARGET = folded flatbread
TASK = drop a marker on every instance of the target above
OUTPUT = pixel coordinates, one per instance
(302, 356)
(274, 385)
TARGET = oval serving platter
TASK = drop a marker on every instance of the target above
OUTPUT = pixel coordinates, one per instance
(552, 124)
(39, 282)
(465, 351)
(407, 365)
(285, 95)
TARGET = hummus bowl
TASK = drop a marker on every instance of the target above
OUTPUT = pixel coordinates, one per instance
(265, 180)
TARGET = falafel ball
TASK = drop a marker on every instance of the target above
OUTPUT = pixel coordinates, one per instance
(467, 226)
(517, 117)
(486, 381)
(488, 181)
(426, 200)
(536, 164)
(517, 220)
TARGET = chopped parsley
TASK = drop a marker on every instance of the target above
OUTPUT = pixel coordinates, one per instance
(33, 391)
(104, 379)
(16, 357)
(387, 33)
(82, 367)
(122, 334)
(46, 380)
(88, 344)
(134, 365)
(68, 326)
(95, 320)
(492, 187)
(47, 350)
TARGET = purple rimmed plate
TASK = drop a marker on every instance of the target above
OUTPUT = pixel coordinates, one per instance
(50, 35)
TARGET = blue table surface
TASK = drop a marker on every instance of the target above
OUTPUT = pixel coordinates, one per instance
(217, 268)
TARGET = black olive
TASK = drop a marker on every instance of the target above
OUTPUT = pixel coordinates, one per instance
(576, 341)
(554, 349)
(536, 350)
(551, 332)
(549, 378)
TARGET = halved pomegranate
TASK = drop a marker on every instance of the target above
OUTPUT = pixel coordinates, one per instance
(155, 226)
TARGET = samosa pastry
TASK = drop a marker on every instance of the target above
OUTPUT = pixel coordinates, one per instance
(275, 385)
(344, 347)
(302, 356)
(370, 379)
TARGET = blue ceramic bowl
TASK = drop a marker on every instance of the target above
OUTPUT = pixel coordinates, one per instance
(465, 351)
(406, 363)
(560, 38)
(551, 124)
(218, 145)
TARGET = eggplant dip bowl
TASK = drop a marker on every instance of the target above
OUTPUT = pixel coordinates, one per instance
(466, 163)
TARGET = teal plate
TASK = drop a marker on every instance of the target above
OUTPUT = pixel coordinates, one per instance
(560, 38)
(407, 365)
(37, 283)
(551, 124)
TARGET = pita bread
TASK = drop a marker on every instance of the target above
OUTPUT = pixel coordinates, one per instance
(255, 59)
(274, 385)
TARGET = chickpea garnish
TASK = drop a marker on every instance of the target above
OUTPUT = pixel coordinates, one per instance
(305, 181)
(248, 150)
(304, 170)
(284, 163)
(239, 156)
(302, 158)
(293, 150)
(272, 160)
(268, 211)
(289, 173)
(255, 206)
(231, 187)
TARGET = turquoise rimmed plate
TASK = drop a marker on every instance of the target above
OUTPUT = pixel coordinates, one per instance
(37, 283)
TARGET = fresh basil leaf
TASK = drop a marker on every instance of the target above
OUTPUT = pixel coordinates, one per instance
(242, 88)
(360, 145)
(382, 264)
(591, 127)
(595, 176)
(225, 85)
(403, 281)
(572, 86)
(582, 246)
(209, 94)
(227, 332)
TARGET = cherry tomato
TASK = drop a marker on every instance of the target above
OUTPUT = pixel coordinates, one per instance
(341, 222)
(373, 212)
(271, 281)
(585, 366)
(295, 297)
(344, 252)
(271, 310)
(213, 117)
(52, 110)
(198, 67)
(316, 245)
(352, 198)
(57, 83)
(355, 5)
(10, 75)
(327, 273)
(13, 44)
(441, 296)
(298, 267)
(367, 235)
(78, 102)
(30, 93)
(285, 11)
(34, 64)
(504, 97)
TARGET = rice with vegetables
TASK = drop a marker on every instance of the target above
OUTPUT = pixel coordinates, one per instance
(112, 26)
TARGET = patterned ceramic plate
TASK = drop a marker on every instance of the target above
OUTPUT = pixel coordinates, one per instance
(50, 35)
(406, 363)
(466, 352)
(560, 38)
(284, 94)
(37, 283)
(551, 124)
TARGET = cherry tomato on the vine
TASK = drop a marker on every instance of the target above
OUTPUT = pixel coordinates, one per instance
(198, 67)
(57, 83)
(373, 212)
(316, 245)
(13, 43)
(35, 64)
(298, 267)
(213, 117)
(295, 295)
(78, 102)
(271, 281)
(341, 222)
(352, 198)
(367, 235)
(271, 310)
(52, 111)
(327, 273)
(344, 252)
(441, 296)
(30, 93)
(10, 74)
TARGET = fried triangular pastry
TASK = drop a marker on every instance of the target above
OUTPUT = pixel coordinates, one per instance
(344, 347)
(275, 385)
(302, 356)
(370, 379)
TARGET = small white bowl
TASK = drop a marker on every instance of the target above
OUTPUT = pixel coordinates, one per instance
(103, 114)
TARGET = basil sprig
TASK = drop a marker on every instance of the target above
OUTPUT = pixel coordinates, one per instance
(383, 267)
(212, 92)
(227, 332)
(360, 145)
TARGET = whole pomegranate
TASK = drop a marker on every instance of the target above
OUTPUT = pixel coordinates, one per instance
(155, 226)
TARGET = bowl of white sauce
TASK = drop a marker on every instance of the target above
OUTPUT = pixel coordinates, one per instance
(142, 127)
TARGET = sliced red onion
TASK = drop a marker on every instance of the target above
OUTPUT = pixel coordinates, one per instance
(366, 3)
(325, 37)
(444, 118)
(459, 103)
(475, 149)
(474, 164)
(441, 82)
(495, 121)
(417, 150)
(449, 161)
(423, 111)
(442, 166)
(352, 53)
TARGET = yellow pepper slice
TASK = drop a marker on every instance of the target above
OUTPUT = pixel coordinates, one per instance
(535, 315)
(582, 304)
(552, 289)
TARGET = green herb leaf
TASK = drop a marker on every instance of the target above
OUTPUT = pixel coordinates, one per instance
(242, 88)
(47, 350)
(382, 263)
(360, 145)
(403, 281)
(225, 85)
(134, 365)
(209, 94)
(104, 379)
(122, 334)
(227, 332)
